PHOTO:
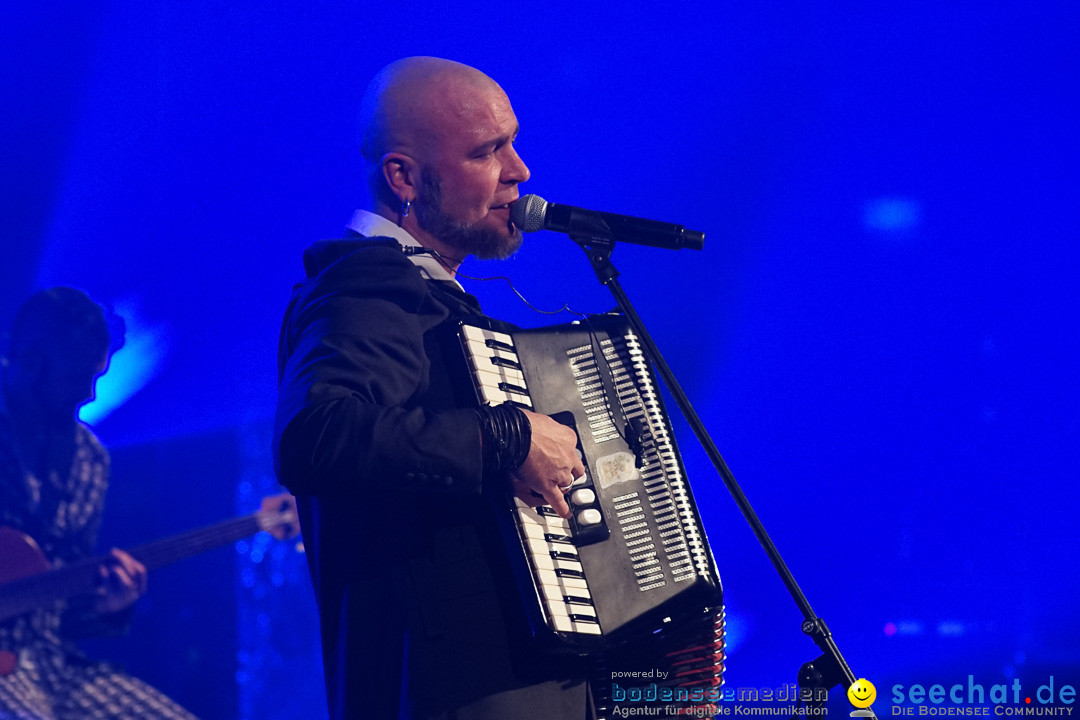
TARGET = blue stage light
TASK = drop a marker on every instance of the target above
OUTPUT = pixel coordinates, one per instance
(891, 214)
(130, 368)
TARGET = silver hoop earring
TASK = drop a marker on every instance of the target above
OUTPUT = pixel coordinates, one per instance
(406, 205)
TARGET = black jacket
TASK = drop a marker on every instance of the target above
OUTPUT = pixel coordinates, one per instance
(375, 436)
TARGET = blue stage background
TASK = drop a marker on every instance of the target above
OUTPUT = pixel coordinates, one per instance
(880, 332)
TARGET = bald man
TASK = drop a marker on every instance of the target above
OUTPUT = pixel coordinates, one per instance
(396, 476)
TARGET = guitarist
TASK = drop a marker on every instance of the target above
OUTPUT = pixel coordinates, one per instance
(53, 477)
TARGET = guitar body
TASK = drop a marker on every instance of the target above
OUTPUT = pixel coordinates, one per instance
(20, 556)
(29, 580)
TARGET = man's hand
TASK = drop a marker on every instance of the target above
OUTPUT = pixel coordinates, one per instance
(122, 582)
(552, 465)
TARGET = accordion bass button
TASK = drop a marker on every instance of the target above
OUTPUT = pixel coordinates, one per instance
(584, 496)
(589, 517)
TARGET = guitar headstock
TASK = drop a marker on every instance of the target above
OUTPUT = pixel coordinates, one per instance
(278, 516)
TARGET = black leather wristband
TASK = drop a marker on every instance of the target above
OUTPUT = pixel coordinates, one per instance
(507, 436)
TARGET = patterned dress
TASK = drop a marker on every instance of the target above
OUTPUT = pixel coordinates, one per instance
(52, 679)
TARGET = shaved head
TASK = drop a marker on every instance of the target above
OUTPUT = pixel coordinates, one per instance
(407, 105)
(438, 149)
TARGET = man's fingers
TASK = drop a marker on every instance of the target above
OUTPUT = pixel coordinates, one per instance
(557, 502)
(124, 572)
(117, 579)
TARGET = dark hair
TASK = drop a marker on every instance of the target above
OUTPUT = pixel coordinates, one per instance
(65, 315)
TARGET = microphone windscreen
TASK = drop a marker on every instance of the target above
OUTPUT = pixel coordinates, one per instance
(527, 213)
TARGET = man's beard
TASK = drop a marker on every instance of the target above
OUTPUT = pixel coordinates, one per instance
(483, 242)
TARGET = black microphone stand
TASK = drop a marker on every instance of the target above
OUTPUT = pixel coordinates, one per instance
(829, 669)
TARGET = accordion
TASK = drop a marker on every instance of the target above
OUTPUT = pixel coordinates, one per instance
(629, 579)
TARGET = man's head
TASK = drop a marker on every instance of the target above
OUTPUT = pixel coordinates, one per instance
(60, 343)
(439, 135)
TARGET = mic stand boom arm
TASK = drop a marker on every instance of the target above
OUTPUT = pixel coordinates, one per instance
(828, 670)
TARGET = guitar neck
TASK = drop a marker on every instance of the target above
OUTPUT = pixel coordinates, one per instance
(177, 547)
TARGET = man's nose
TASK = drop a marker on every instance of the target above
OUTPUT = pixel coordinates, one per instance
(516, 171)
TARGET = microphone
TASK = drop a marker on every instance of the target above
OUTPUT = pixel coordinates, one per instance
(531, 213)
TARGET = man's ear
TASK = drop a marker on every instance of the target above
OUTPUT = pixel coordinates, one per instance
(402, 175)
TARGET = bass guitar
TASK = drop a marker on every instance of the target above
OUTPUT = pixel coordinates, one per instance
(29, 581)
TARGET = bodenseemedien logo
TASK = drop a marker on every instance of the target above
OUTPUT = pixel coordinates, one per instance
(786, 701)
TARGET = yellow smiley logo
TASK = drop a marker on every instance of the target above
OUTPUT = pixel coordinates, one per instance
(862, 692)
